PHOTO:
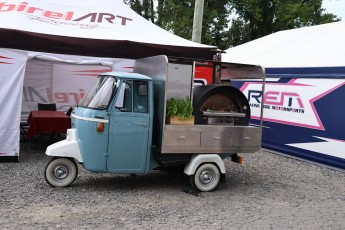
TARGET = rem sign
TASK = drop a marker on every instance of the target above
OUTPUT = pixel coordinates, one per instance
(290, 103)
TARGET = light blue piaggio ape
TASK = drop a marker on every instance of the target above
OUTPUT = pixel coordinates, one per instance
(120, 127)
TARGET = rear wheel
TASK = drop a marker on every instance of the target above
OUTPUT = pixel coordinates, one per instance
(61, 172)
(206, 178)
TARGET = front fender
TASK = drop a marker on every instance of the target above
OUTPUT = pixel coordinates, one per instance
(197, 160)
(66, 148)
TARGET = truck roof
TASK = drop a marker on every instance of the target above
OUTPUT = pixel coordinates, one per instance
(127, 75)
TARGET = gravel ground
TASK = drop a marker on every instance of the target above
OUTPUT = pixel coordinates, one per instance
(268, 191)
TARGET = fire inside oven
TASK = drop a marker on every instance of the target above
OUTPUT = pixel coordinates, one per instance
(223, 105)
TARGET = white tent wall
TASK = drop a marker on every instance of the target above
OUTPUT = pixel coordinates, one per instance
(60, 83)
(63, 79)
(12, 64)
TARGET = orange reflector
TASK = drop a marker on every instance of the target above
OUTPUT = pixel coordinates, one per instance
(236, 158)
(100, 127)
(240, 160)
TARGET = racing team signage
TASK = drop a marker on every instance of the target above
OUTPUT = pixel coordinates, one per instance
(303, 117)
(290, 103)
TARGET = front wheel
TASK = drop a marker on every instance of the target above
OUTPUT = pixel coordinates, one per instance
(206, 178)
(60, 172)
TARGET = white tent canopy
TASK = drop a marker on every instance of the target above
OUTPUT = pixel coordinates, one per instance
(315, 46)
(104, 28)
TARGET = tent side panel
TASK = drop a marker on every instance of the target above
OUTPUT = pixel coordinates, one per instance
(12, 66)
(303, 117)
(56, 82)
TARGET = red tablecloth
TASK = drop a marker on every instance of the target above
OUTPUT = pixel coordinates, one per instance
(42, 121)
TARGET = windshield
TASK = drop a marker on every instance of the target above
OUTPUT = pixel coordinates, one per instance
(100, 94)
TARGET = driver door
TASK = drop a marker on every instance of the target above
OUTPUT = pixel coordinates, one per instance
(129, 130)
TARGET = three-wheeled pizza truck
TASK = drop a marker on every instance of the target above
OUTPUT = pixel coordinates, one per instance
(120, 124)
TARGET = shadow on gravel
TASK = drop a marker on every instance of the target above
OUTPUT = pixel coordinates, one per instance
(154, 179)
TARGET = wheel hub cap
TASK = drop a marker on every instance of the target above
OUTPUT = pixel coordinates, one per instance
(206, 177)
(60, 172)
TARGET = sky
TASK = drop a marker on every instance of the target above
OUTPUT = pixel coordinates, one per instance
(336, 7)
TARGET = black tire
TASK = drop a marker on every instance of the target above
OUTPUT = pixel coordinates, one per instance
(61, 172)
(206, 177)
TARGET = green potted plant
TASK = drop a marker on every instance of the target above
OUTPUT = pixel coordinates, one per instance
(179, 111)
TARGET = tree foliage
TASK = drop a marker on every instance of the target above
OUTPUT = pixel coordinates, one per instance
(143, 7)
(232, 22)
(257, 18)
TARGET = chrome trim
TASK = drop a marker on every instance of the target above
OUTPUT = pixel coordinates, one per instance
(222, 114)
(89, 118)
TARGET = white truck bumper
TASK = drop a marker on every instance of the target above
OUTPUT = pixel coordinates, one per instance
(66, 148)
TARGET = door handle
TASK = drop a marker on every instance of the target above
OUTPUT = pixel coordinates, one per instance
(142, 124)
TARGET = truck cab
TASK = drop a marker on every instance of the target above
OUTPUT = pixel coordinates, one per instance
(113, 124)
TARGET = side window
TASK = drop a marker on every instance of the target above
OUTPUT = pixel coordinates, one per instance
(127, 102)
(140, 97)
